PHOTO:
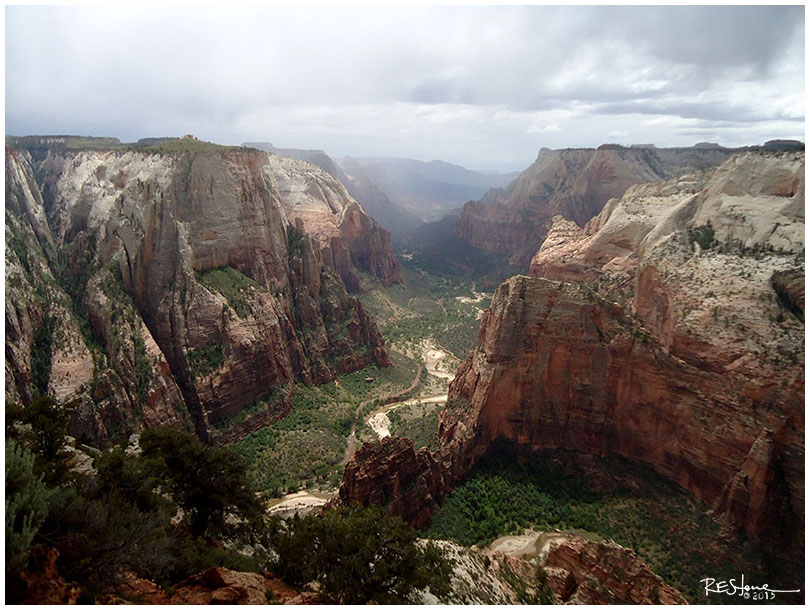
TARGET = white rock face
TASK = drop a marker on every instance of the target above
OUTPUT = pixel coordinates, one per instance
(309, 193)
(477, 576)
(645, 248)
(758, 200)
(91, 185)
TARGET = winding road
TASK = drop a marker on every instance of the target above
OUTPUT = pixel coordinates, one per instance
(387, 399)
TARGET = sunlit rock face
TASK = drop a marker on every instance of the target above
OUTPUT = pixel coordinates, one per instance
(178, 289)
(572, 183)
(641, 342)
(349, 238)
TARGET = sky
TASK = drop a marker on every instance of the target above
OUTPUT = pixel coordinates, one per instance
(483, 86)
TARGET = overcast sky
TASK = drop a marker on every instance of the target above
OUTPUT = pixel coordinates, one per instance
(484, 87)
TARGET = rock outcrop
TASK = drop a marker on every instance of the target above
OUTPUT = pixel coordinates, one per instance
(392, 473)
(572, 183)
(347, 236)
(583, 572)
(213, 586)
(40, 583)
(154, 287)
(659, 338)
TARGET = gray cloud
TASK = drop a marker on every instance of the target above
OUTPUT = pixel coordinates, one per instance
(475, 85)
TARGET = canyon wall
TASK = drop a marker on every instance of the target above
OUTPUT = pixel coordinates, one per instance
(573, 183)
(658, 334)
(349, 239)
(175, 287)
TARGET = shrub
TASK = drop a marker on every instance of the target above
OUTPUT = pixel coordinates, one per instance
(41, 355)
(205, 360)
(704, 236)
(41, 426)
(359, 555)
(209, 483)
(232, 284)
(26, 505)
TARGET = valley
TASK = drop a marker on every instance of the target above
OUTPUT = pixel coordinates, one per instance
(492, 305)
(564, 494)
(635, 399)
(425, 321)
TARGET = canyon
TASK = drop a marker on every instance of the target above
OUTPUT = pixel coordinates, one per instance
(180, 284)
(222, 289)
(574, 183)
(655, 333)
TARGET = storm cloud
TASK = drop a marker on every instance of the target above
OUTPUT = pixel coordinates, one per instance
(482, 86)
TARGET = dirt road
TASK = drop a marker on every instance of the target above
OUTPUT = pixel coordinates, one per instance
(387, 399)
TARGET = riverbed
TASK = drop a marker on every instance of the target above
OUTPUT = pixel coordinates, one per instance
(301, 502)
(439, 363)
(530, 544)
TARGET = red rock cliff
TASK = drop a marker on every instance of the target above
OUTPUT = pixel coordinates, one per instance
(202, 295)
(573, 183)
(663, 351)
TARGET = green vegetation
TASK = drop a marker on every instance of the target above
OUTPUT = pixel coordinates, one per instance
(526, 593)
(185, 467)
(275, 396)
(26, 505)
(180, 507)
(417, 422)
(19, 246)
(305, 447)
(359, 556)
(41, 354)
(295, 242)
(231, 284)
(41, 426)
(119, 519)
(143, 368)
(671, 531)
(703, 236)
(40, 145)
(426, 306)
(205, 360)
(182, 145)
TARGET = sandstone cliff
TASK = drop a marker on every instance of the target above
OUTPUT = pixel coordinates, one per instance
(573, 183)
(583, 572)
(648, 345)
(169, 287)
(348, 237)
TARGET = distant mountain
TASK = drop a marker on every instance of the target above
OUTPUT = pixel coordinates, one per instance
(573, 183)
(435, 248)
(427, 189)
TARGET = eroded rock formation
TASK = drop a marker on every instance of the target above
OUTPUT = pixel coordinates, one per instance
(347, 236)
(573, 183)
(392, 473)
(171, 288)
(660, 338)
(583, 572)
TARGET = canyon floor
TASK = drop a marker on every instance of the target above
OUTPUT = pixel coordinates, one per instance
(429, 323)
(510, 509)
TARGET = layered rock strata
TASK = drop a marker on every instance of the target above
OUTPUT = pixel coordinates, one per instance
(660, 338)
(573, 183)
(349, 239)
(583, 572)
(169, 288)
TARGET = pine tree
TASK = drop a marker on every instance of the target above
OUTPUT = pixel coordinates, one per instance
(26, 505)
